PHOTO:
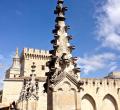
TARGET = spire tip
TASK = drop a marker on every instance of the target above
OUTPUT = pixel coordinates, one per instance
(16, 53)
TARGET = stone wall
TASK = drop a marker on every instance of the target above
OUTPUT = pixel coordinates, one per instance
(100, 94)
(11, 90)
(95, 94)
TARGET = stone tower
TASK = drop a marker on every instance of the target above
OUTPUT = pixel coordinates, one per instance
(14, 70)
(63, 79)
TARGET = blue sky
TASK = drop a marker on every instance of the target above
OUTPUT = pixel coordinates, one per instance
(94, 26)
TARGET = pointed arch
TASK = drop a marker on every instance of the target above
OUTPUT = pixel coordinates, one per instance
(66, 86)
(88, 103)
(109, 102)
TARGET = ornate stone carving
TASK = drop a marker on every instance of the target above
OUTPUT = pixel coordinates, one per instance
(30, 87)
(61, 62)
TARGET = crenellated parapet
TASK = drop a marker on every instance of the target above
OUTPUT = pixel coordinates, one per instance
(30, 56)
(30, 53)
(102, 93)
(101, 82)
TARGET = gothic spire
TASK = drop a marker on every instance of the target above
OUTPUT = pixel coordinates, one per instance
(14, 70)
(61, 62)
(60, 43)
(16, 53)
(16, 60)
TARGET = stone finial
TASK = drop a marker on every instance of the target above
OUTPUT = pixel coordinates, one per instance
(16, 53)
(60, 0)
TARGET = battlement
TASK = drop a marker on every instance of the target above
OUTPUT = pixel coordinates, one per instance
(101, 82)
(35, 53)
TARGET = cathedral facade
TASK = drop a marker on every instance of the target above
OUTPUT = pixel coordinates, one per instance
(50, 80)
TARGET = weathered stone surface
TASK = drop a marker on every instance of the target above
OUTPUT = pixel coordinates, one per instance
(63, 86)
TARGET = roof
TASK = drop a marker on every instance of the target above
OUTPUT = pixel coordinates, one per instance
(113, 75)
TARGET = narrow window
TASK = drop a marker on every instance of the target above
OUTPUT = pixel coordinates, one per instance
(43, 67)
(14, 75)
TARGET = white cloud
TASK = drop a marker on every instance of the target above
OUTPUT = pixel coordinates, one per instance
(1, 57)
(93, 63)
(4, 65)
(108, 24)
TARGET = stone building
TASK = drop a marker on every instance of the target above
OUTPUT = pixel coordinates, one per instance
(50, 80)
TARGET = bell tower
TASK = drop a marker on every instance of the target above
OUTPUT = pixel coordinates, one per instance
(63, 79)
(14, 70)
